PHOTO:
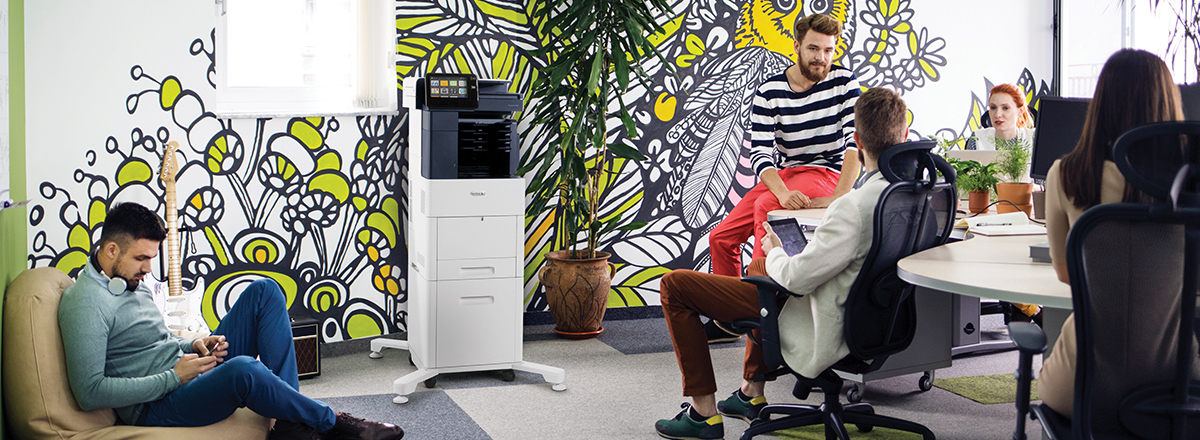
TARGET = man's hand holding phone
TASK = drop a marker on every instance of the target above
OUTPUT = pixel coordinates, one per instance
(214, 346)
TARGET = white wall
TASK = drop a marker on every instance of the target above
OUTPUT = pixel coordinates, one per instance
(996, 41)
(4, 138)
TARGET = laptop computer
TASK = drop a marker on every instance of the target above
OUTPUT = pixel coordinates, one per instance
(982, 156)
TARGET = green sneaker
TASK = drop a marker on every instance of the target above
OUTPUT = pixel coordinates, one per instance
(734, 406)
(683, 427)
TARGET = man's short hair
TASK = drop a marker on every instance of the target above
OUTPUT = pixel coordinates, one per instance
(128, 222)
(818, 22)
(880, 119)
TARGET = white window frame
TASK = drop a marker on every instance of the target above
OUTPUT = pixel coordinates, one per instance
(373, 88)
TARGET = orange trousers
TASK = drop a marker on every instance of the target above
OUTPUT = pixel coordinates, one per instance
(687, 294)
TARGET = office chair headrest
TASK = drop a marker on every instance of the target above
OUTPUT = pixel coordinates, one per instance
(1168, 169)
(914, 161)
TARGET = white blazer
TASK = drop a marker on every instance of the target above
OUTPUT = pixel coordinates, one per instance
(811, 327)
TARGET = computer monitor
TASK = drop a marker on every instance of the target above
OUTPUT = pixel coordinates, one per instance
(1191, 100)
(1059, 125)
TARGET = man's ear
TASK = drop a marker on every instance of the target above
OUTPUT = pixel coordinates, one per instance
(111, 250)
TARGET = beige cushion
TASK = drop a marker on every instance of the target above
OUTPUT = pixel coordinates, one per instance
(37, 397)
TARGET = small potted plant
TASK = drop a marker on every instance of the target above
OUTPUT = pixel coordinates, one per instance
(976, 181)
(1013, 164)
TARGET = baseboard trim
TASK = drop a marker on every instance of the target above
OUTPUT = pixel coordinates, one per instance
(615, 314)
(363, 345)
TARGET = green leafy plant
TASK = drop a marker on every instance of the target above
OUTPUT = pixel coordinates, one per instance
(590, 43)
(1013, 161)
(974, 176)
(945, 145)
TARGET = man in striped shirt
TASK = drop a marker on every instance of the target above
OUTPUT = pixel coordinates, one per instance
(802, 142)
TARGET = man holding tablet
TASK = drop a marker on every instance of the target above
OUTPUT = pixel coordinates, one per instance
(811, 324)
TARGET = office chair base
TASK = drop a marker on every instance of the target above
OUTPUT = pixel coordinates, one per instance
(407, 384)
(862, 415)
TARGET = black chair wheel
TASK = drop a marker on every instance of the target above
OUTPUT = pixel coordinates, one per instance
(926, 382)
(866, 427)
(508, 375)
(854, 394)
(430, 382)
(410, 360)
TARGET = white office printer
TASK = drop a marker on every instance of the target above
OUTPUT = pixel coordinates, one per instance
(466, 237)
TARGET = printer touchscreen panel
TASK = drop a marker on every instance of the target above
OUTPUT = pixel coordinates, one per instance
(452, 91)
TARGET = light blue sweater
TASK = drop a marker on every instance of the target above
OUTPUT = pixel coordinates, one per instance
(119, 352)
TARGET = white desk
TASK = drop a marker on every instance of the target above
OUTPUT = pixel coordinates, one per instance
(993, 267)
(806, 217)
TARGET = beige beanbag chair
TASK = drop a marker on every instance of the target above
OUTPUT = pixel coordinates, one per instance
(37, 397)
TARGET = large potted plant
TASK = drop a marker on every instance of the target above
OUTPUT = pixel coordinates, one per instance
(1013, 165)
(976, 180)
(593, 49)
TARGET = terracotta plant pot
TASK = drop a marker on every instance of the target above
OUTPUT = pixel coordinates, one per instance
(1021, 194)
(977, 201)
(577, 292)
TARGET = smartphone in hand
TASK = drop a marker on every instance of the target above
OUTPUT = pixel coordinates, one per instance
(791, 235)
(212, 346)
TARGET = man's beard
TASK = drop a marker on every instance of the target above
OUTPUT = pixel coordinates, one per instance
(810, 73)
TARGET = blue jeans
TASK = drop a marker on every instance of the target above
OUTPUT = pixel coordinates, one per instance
(257, 325)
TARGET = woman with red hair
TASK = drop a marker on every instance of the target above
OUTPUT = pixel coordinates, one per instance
(1011, 124)
(1011, 121)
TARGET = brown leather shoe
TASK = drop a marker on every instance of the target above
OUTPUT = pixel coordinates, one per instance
(285, 430)
(349, 427)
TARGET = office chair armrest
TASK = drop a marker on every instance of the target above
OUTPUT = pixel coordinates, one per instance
(768, 293)
(1028, 336)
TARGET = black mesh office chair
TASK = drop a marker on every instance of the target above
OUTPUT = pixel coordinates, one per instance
(1133, 269)
(914, 213)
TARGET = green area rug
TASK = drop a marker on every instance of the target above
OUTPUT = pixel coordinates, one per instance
(818, 433)
(994, 388)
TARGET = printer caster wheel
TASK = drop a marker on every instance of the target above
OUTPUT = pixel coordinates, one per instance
(508, 375)
(430, 382)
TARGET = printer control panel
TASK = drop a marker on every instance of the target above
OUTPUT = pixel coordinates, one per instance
(451, 91)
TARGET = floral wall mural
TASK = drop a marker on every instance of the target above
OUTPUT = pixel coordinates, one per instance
(318, 203)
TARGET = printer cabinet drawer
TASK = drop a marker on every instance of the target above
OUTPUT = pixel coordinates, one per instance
(464, 197)
(477, 237)
(481, 268)
(478, 322)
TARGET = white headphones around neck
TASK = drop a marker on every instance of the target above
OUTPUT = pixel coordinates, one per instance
(116, 285)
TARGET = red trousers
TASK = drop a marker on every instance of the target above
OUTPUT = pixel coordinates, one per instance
(747, 217)
(687, 294)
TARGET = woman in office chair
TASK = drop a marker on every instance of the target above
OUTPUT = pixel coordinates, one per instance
(1135, 88)
(1012, 123)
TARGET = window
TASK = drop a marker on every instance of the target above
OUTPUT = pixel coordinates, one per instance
(305, 58)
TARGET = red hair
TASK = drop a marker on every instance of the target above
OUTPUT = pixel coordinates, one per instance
(1024, 119)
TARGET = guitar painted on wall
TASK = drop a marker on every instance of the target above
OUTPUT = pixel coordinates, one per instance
(181, 310)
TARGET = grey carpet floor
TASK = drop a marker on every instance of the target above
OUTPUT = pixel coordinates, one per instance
(618, 385)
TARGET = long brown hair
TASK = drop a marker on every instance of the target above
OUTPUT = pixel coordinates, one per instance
(1135, 88)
